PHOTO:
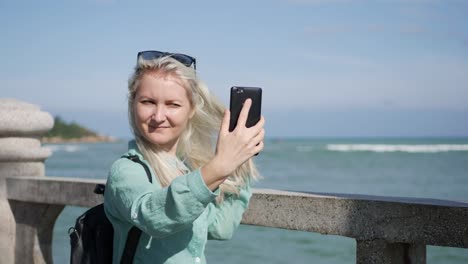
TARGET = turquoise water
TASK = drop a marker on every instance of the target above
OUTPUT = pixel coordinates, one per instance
(429, 168)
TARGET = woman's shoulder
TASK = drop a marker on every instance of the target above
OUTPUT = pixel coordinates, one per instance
(123, 162)
(123, 167)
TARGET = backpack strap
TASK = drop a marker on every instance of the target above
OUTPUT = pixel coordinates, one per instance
(134, 234)
(130, 245)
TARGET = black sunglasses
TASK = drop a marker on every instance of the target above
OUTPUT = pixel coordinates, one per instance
(182, 58)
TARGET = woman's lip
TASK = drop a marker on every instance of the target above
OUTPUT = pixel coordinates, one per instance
(158, 127)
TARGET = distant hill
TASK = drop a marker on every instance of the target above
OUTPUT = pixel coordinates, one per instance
(72, 132)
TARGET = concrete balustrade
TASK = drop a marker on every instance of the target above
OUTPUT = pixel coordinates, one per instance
(21, 154)
(387, 229)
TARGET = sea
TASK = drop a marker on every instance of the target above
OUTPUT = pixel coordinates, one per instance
(406, 167)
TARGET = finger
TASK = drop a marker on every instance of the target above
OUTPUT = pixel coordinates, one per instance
(258, 148)
(225, 122)
(259, 126)
(255, 141)
(259, 137)
(241, 122)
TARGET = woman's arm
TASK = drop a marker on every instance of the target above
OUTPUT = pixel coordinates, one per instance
(223, 219)
(157, 211)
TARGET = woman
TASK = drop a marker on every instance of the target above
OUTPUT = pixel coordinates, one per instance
(200, 189)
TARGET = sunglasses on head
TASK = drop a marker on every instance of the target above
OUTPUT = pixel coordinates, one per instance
(182, 58)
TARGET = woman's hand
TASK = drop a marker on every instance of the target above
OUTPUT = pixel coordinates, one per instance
(234, 148)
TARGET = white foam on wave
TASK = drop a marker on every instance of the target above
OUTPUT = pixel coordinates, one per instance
(394, 148)
(65, 148)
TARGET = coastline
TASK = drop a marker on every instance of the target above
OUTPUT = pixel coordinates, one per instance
(87, 139)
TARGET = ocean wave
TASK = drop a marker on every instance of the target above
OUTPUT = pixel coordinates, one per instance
(394, 148)
(304, 148)
(65, 148)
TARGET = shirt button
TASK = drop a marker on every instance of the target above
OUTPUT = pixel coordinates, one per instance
(197, 260)
(134, 216)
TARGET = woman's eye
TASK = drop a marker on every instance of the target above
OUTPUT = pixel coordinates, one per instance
(146, 102)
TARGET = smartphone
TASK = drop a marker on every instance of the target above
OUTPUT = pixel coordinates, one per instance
(238, 96)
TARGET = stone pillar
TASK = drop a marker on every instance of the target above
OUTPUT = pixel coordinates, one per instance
(21, 126)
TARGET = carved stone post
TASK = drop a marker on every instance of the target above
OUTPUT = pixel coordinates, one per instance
(21, 126)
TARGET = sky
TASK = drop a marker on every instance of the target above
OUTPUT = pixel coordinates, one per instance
(336, 68)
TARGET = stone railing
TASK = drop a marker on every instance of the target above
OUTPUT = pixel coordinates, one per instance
(387, 229)
(21, 154)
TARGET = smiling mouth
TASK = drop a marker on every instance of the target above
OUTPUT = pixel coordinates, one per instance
(157, 127)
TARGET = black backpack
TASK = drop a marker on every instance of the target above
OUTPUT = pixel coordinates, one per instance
(92, 236)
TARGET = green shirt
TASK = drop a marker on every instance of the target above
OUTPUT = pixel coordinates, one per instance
(176, 220)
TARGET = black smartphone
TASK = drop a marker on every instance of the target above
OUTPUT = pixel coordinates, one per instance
(238, 96)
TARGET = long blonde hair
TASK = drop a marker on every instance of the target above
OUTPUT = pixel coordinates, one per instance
(197, 143)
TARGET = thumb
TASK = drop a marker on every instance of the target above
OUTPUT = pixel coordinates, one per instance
(225, 122)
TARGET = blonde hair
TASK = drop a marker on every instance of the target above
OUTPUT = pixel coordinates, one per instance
(198, 141)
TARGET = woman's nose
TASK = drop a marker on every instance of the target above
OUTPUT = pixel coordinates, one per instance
(159, 114)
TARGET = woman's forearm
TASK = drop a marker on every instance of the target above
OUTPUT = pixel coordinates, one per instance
(213, 174)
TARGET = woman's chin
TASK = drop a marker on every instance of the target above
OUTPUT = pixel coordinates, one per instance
(161, 142)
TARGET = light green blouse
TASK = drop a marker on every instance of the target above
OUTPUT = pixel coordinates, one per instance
(176, 220)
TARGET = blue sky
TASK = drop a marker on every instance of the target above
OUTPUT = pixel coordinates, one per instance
(328, 68)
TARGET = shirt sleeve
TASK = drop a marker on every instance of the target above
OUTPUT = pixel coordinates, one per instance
(224, 218)
(157, 211)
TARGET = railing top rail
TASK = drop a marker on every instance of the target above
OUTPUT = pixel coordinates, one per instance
(364, 197)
